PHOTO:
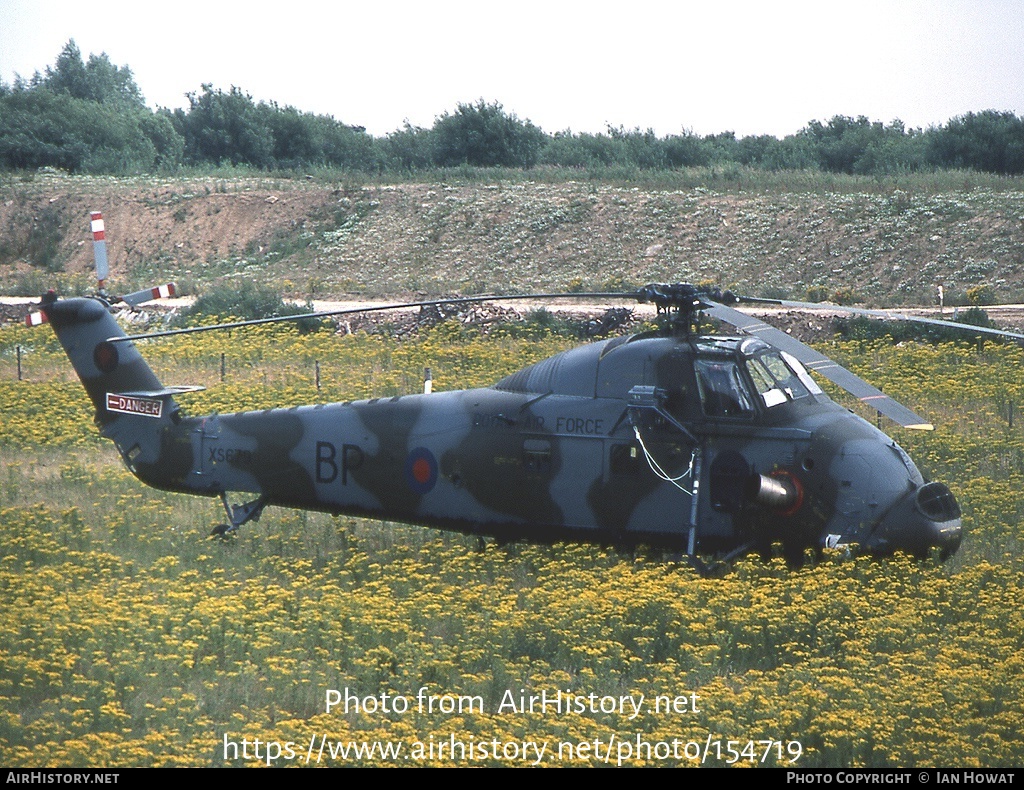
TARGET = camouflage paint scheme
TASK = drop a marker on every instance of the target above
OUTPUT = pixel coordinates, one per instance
(563, 450)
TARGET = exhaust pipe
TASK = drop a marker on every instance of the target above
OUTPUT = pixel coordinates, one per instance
(782, 493)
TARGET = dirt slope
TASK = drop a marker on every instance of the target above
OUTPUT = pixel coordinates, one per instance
(333, 241)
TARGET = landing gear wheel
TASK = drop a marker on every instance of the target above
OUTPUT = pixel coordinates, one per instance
(238, 515)
(713, 570)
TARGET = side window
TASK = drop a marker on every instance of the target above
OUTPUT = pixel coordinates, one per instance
(721, 388)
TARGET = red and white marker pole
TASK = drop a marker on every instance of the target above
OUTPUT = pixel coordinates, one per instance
(99, 249)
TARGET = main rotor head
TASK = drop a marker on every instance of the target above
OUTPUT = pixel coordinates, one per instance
(680, 304)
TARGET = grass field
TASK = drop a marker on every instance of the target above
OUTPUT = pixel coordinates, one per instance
(128, 638)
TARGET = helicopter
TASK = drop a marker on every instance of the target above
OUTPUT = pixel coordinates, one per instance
(709, 446)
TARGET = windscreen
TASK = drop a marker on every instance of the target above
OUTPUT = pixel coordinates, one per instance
(779, 378)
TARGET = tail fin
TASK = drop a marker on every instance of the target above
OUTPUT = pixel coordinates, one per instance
(115, 375)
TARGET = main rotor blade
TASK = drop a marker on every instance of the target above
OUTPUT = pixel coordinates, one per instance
(892, 316)
(373, 309)
(818, 362)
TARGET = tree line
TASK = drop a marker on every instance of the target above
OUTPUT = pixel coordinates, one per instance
(89, 116)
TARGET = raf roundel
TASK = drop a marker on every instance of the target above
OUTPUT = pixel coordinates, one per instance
(421, 470)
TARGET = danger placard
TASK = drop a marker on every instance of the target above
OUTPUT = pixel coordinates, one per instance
(126, 404)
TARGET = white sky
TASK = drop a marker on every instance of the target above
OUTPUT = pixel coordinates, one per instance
(763, 67)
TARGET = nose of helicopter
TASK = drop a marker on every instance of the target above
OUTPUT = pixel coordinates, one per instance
(926, 519)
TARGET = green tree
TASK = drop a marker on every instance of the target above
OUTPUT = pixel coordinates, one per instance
(346, 146)
(98, 80)
(858, 145)
(168, 144)
(583, 150)
(643, 149)
(303, 139)
(690, 150)
(68, 74)
(295, 136)
(409, 148)
(110, 84)
(224, 127)
(83, 117)
(485, 135)
(991, 141)
(39, 128)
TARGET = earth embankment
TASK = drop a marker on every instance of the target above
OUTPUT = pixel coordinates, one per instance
(336, 241)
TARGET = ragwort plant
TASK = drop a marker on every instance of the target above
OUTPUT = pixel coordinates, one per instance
(129, 639)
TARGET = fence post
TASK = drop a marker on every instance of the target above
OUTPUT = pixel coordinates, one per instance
(316, 368)
(19, 363)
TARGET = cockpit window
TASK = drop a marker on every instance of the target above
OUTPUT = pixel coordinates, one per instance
(721, 388)
(766, 385)
(776, 380)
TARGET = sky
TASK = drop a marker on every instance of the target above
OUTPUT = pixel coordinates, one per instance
(765, 67)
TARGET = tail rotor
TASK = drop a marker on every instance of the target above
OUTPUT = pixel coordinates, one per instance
(102, 267)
